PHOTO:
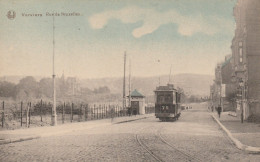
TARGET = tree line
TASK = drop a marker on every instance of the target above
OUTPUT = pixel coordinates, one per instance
(29, 88)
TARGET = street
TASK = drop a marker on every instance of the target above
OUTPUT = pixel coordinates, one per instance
(194, 137)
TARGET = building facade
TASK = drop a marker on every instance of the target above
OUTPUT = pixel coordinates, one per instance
(74, 86)
(216, 87)
(223, 91)
(246, 57)
(228, 89)
(137, 101)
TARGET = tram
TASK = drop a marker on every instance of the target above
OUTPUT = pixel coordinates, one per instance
(167, 103)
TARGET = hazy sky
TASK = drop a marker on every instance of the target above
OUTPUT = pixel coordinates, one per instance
(190, 35)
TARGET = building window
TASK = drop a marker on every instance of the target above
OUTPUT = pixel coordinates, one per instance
(241, 60)
(240, 44)
(244, 29)
(240, 52)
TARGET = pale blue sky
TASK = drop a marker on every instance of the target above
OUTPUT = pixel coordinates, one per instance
(190, 35)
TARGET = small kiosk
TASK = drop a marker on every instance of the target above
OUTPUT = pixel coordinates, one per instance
(137, 101)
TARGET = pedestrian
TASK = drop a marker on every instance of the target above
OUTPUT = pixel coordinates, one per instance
(129, 111)
(242, 115)
(212, 108)
(135, 112)
(219, 110)
(112, 114)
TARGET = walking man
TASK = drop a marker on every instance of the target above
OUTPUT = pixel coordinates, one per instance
(112, 114)
(219, 110)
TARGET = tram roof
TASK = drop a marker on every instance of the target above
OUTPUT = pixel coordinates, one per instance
(168, 87)
(135, 93)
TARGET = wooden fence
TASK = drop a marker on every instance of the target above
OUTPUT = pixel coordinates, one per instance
(27, 114)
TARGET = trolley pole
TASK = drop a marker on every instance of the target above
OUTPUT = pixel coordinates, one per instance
(242, 106)
(129, 96)
(21, 114)
(124, 101)
(54, 114)
(241, 84)
(3, 115)
(41, 110)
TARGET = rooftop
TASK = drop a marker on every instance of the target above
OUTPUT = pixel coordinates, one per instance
(226, 62)
(169, 87)
(135, 93)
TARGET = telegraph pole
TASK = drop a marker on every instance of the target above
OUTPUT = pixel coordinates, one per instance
(170, 74)
(54, 115)
(221, 103)
(129, 83)
(124, 101)
(159, 74)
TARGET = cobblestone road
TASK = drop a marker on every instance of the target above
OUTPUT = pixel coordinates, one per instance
(194, 135)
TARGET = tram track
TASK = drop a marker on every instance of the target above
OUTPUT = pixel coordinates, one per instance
(187, 155)
(160, 149)
(146, 148)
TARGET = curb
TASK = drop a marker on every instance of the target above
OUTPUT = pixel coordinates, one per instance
(13, 140)
(238, 144)
(131, 120)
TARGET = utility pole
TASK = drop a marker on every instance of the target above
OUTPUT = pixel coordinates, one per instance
(242, 86)
(124, 101)
(54, 115)
(211, 99)
(159, 74)
(170, 75)
(129, 104)
(242, 104)
(221, 102)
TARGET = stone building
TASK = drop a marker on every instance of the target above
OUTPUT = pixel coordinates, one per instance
(222, 91)
(215, 88)
(74, 86)
(228, 88)
(246, 56)
(137, 102)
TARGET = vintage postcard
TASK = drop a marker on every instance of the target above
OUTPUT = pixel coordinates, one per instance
(130, 80)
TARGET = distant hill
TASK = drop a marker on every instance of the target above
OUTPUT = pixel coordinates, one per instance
(16, 78)
(193, 84)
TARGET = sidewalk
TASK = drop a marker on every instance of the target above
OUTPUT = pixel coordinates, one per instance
(18, 135)
(246, 136)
